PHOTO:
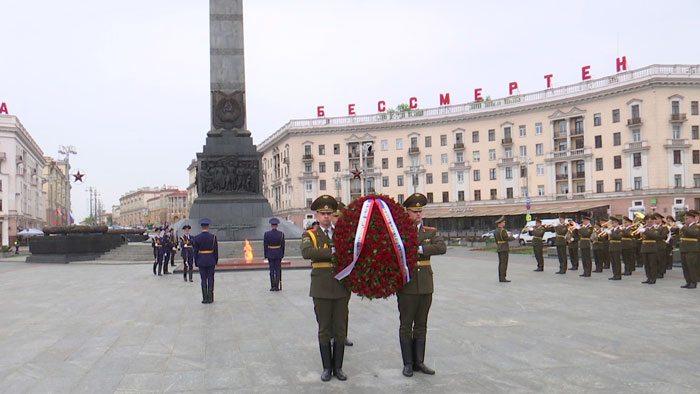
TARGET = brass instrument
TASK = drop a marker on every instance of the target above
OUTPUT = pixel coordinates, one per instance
(639, 216)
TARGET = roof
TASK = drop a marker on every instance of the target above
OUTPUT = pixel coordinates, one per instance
(552, 207)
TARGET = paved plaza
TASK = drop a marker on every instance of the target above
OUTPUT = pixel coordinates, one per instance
(93, 328)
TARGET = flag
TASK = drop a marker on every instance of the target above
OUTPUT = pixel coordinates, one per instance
(71, 219)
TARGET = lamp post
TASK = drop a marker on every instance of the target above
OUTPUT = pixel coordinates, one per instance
(67, 150)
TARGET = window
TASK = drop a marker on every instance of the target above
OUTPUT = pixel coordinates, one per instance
(399, 143)
(509, 192)
(523, 150)
(430, 197)
(477, 195)
(637, 183)
(322, 166)
(415, 161)
(336, 149)
(458, 138)
(429, 178)
(336, 166)
(675, 107)
(676, 132)
(599, 186)
(445, 196)
(598, 141)
(696, 133)
(475, 136)
(494, 194)
(599, 164)
(308, 203)
(678, 180)
(677, 157)
(636, 135)
(443, 140)
(696, 157)
(539, 149)
(445, 178)
(321, 150)
(540, 169)
(459, 157)
(385, 181)
(492, 173)
(307, 167)
(476, 156)
(522, 130)
(414, 142)
(696, 180)
(400, 198)
(415, 180)
(322, 184)
(637, 159)
(307, 149)
(597, 120)
(460, 176)
(309, 186)
(635, 111)
(492, 135)
(509, 153)
(618, 185)
(385, 144)
(385, 164)
(443, 158)
(617, 162)
(538, 128)
(509, 172)
(399, 180)
(693, 107)
(429, 160)
(492, 154)
(428, 141)
(615, 117)
(616, 139)
(540, 190)
(477, 175)
(399, 162)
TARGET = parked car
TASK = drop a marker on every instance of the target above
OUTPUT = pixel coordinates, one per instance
(488, 235)
(548, 237)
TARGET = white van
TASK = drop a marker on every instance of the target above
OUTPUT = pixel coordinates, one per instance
(549, 236)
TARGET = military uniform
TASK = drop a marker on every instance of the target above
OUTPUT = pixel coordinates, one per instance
(206, 256)
(661, 248)
(330, 296)
(158, 251)
(584, 244)
(649, 258)
(673, 241)
(572, 245)
(599, 237)
(560, 242)
(415, 299)
(615, 250)
(167, 248)
(503, 249)
(628, 254)
(273, 244)
(689, 248)
(538, 245)
(187, 253)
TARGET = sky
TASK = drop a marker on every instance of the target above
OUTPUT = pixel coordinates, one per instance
(127, 82)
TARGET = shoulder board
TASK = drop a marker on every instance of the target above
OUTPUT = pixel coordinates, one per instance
(310, 231)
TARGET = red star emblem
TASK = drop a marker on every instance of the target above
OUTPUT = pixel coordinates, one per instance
(356, 174)
(78, 177)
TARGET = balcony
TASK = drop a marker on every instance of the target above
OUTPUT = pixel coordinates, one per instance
(414, 169)
(636, 146)
(676, 143)
(353, 155)
(413, 150)
(508, 161)
(634, 122)
(354, 190)
(507, 141)
(577, 131)
(459, 146)
(19, 158)
(307, 157)
(578, 175)
(460, 165)
(569, 154)
(562, 177)
(308, 175)
(678, 118)
(560, 135)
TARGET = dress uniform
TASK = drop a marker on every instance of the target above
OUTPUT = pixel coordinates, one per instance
(415, 298)
(174, 244)
(584, 244)
(187, 252)
(502, 248)
(572, 244)
(672, 241)
(649, 258)
(206, 256)
(628, 253)
(615, 247)
(689, 248)
(167, 248)
(598, 245)
(661, 245)
(330, 296)
(560, 242)
(157, 244)
(273, 243)
(538, 244)
(336, 215)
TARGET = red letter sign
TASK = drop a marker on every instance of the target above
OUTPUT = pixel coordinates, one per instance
(3, 109)
(585, 72)
(445, 99)
(548, 77)
(381, 106)
(351, 109)
(413, 103)
(477, 94)
(321, 112)
(622, 63)
(512, 86)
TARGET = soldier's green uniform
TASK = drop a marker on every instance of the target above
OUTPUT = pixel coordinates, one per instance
(538, 244)
(600, 248)
(502, 238)
(560, 243)
(649, 258)
(628, 254)
(415, 298)
(615, 248)
(572, 245)
(689, 248)
(584, 244)
(675, 239)
(330, 296)
(661, 248)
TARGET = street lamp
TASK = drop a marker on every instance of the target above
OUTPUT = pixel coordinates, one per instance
(67, 150)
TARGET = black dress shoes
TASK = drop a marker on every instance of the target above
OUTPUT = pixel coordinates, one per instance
(504, 281)
(615, 278)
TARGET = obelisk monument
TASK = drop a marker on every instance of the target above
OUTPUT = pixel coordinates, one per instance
(228, 169)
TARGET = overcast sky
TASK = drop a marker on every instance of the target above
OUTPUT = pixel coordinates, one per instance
(127, 82)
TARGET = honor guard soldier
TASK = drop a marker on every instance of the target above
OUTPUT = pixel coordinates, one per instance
(661, 245)
(674, 232)
(615, 247)
(502, 238)
(584, 244)
(649, 236)
(598, 238)
(689, 248)
(572, 238)
(330, 296)
(628, 254)
(167, 248)
(273, 243)
(157, 244)
(206, 256)
(187, 253)
(174, 244)
(336, 214)
(415, 298)
(561, 230)
(537, 233)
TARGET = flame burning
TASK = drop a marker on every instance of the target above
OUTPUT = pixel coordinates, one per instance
(248, 250)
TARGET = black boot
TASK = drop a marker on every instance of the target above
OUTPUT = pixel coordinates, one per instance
(326, 361)
(205, 295)
(154, 267)
(211, 293)
(191, 269)
(184, 274)
(338, 352)
(419, 356)
(348, 342)
(272, 283)
(407, 356)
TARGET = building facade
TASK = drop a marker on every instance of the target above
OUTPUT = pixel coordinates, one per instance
(192, 186)
(21, 168)
(619, 144)
(149, 206)
(55, 179)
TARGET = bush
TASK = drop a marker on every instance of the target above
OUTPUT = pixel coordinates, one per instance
(4, 249)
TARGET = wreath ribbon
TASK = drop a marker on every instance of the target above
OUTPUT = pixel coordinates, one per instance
(396, 241)
(360, 234)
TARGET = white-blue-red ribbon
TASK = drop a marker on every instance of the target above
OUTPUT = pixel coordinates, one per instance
(360, 233)
(396, 241)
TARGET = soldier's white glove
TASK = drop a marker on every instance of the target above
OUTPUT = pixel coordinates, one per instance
(608, 231)
(643, 229)
(333, 249)
(420, 249)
